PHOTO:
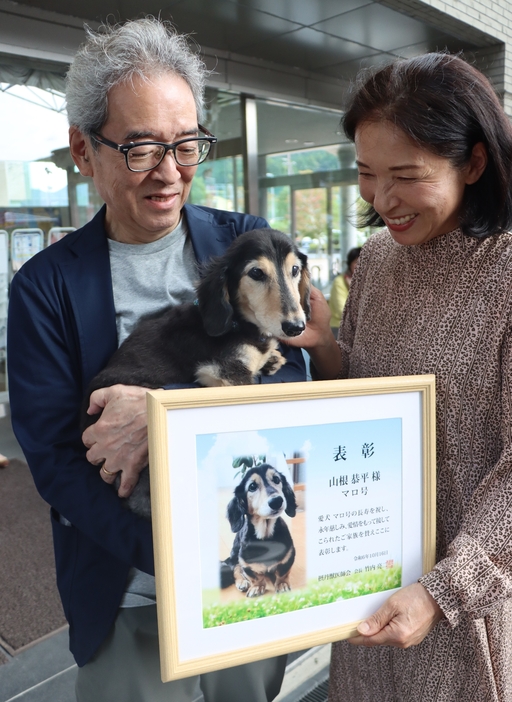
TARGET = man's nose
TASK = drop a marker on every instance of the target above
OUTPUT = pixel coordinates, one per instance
(168, 168)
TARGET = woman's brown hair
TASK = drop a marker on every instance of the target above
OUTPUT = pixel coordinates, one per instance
(446, 106)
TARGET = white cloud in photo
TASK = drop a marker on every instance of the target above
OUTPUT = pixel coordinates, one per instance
(229, 445)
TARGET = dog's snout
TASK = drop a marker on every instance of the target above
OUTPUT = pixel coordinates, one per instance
(293, 328)
(275, 503)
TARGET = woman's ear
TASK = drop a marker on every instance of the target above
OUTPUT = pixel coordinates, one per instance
(80, 148)
(477, 163)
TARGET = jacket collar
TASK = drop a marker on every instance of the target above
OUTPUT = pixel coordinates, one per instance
(209, 236)
(90, 237)
(87, 276)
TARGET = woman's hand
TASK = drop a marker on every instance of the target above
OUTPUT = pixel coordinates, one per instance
(318, 340)
(118, 441)
(403, 620)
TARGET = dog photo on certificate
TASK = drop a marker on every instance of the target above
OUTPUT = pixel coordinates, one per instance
(292, 517)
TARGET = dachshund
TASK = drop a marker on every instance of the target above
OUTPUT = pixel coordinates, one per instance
(263, 550)
(248, 299)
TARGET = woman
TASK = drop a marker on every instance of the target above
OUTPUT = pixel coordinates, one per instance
(433, 294)
(339, 289)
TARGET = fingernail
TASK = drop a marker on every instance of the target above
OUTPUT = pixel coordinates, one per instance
(363, 628)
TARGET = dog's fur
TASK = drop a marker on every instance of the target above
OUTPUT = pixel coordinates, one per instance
(263, 550)
(254, 294)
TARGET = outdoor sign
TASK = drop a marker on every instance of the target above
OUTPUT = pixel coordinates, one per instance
(58, 233)
(25, 243)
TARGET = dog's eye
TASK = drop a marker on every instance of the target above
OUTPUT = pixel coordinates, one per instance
(252, 487)
(276, 479)
(295, 271)
(256, 274)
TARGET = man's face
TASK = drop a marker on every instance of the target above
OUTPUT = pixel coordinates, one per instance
(143, 207)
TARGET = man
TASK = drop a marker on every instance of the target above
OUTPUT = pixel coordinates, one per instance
(134, 93)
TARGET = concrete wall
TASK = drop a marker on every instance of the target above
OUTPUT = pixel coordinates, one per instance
(487, 23)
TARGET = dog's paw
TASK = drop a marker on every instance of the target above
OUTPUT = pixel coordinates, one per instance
(243, 585)
(209, 376)
(274, 363)
(256, 590)
(283, 587)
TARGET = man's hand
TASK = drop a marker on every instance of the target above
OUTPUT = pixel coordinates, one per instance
(403, 620)
(118, 441)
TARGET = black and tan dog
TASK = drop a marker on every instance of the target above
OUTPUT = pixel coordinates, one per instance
(253, 295)
(263, 550)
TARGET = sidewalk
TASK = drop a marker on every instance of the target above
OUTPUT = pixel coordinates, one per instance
(45, 670)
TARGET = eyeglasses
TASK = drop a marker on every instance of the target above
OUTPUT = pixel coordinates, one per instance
(145, 155)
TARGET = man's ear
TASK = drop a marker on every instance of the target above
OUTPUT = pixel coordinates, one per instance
(477, 163)
(80, 147)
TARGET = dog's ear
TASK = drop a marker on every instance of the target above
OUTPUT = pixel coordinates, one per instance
(305, 285)
(291, 502)
(213, 298)
(236, 514)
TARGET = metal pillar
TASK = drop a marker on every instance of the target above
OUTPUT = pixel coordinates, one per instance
(250, 153)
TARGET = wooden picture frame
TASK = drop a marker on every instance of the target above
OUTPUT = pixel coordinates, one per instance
(361, 456)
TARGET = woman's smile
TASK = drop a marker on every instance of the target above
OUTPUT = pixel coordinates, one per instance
(417, 193)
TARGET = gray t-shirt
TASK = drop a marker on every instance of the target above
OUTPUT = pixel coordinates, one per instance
(145, 279)
(148, 277)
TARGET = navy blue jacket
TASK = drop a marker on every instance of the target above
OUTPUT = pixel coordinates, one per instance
(61, 333)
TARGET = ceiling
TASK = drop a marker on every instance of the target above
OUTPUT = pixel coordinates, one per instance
(318, 44)
(331, 38)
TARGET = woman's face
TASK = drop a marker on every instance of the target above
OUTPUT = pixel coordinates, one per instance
(417, 193)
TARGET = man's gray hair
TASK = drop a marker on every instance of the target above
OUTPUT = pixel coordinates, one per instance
(118, 53)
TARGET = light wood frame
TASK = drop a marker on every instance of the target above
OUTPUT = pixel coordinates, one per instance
(170, 488)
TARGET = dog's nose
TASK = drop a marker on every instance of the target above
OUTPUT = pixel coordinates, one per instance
(293, 328)
(275, 503)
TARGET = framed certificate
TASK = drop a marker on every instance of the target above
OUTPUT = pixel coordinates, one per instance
(285, 514)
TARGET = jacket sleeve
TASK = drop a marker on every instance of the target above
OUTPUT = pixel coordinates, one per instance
(46, 390)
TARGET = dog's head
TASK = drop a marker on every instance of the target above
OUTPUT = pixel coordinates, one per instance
(263, 493)
(262, 278)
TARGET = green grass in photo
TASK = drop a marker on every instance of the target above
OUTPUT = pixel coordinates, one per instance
(314, 594)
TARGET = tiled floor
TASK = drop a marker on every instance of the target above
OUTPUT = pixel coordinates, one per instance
(42, 673)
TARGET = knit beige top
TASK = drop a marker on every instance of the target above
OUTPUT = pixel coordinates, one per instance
(445, 307)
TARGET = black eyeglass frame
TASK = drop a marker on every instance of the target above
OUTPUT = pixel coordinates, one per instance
(125, 148)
